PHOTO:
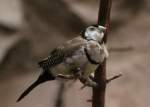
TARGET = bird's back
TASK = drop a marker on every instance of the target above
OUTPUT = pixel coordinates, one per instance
(59, 54)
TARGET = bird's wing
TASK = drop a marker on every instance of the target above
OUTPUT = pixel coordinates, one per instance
(60, 53)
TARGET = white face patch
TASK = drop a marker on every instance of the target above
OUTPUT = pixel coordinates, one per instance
(94, 33)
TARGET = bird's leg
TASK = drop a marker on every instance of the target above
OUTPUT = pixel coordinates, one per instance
(65, 76)
(87, 81)
(106, 82)
(75, 74)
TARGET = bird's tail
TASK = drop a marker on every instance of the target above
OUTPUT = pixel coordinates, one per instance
(45, 76)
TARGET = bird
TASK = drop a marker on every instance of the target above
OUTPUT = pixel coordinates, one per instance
(77, 58)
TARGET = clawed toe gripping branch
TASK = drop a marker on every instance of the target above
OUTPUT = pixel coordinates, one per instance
(95, 84)
(102, 84)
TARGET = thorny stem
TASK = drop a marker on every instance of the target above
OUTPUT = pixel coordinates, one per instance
(98, 98)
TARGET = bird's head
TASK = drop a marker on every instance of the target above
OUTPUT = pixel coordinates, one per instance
(94, 32)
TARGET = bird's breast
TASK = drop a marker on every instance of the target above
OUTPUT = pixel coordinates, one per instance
(70, 64)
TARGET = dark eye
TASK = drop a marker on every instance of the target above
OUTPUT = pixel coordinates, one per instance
(92, 29)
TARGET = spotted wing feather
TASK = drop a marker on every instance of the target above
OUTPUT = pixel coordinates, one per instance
(56, 57)
(59, 54)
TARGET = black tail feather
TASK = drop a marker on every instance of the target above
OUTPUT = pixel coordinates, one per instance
(46, 76)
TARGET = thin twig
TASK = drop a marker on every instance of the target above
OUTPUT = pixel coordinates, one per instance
(113, 78)
(121, 49)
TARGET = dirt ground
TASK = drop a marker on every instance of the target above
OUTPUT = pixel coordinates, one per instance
(30, 29)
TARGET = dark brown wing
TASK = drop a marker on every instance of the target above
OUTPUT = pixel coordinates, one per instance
(58, 55)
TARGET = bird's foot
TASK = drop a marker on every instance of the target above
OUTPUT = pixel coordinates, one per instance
(87, 82)
(91, 83)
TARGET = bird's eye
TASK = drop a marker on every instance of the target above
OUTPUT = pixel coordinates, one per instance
(92, 28)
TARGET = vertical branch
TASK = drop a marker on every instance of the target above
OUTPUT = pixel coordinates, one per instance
(60, 101)
(104, 15)
(100, 74)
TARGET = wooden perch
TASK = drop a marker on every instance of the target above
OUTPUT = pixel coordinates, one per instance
(98, 98)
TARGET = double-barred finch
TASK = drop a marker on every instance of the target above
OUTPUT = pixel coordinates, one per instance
(77, 58)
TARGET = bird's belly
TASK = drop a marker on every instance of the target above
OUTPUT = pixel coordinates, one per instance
(61, 69)
(68, 67)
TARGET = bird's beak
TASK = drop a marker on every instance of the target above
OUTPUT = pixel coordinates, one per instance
(102, 28)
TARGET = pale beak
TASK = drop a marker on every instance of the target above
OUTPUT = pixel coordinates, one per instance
(102, 28)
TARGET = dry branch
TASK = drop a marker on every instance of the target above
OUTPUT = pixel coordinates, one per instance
(98, 98)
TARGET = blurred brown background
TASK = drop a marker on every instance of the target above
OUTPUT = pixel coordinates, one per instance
(30, 29)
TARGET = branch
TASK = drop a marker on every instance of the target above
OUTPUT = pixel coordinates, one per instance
(60, 100)
(121, 49)
(98, 98)
(113, 78)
